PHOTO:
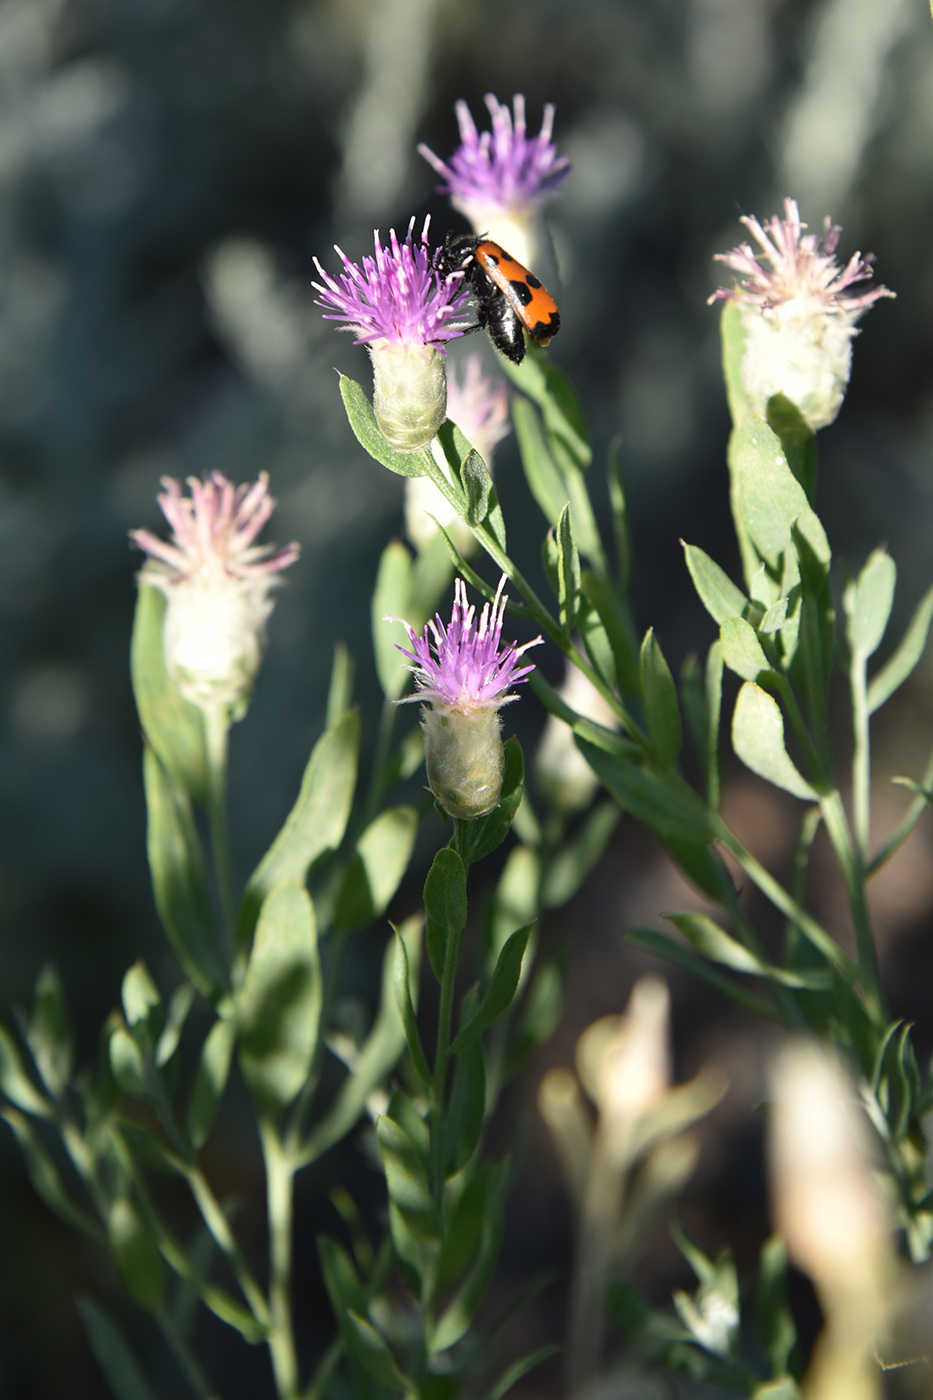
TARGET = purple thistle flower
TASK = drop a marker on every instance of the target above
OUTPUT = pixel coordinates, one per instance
(802, 267)
(466, 672)
(504, 170)
(398, 296)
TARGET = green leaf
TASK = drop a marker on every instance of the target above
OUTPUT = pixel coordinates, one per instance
(279, 1003)
(49, 1034)
(378, 1056)
(179, 1005)
(776, 1326)
(660, 695)
(210, 1081)
(482, 502)
(732, 333)
(340, 690)
(895, 671)
(714, 943)
(390, 600)
(578, 856)
(347, 1295)
(456, 1320)
(662, 801)
(127, 1063)
(486, 833)
(139, 994)
(403, 996)
(45, 1178)
(176, 863)
(868, 603)
(652, 940)
(406, 1172)
(618, 628)
(315, 824)
(741, 649)
(445, 905)
(797, 439)
(502, 988)
(718, 594)
(548, 387)
(373, 1352)
(112, 1354)
(545, 480)
(15, 1082)
(375, 872)
(172, 725)
(758, 740)
(363, 422)
(769, 497)
(466, 1110)
(136, 1254)
(568, 572)
(620, 517)
(520, 1368)
(148, 1149)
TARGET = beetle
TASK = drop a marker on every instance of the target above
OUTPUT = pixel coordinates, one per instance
(510, 299)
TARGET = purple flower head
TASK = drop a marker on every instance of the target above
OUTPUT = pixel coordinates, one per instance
(467, 672)
(796, 266)
(213, 532)
(398, 296)
(504, 168)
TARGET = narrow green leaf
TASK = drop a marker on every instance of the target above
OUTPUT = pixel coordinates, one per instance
(797, 439)
(548, 387)
(714, 943)
(315, 824)
(15, 1082)
(741, 649)
(179, 1005)
(615, 618)
(176, 863)
(139, 994)
(136, 1254)
(172, 725)
(365, 429)
(391, 597)
(502, 988)
(620, 517)
(210, 1081)
(714, 668)
(776, 1326)
(445, 905)
(580, 854)
(769, 497)
(895, 671)
(758, 740)
(403, 996)
(347, 1295)
(597, 734)
(279, 1004)
(147, 1149)
(466, 1110)
(375, 872)
(660, 695)
(732, 333)
(868, 603)
(662, 945)
(406, 1172)
(340, 690)
(49, 1033)
(718, 594)
(45, 1178)
(127, 1063)
(112, 1354)
(662, 801)
(520, 1368)
(373, 1352)
(456, 1320)
(545, 480)
(568, 572)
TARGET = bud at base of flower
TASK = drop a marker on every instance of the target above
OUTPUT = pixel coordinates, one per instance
(464, 759)
(409, 393)
(212, 638)
(805, 355)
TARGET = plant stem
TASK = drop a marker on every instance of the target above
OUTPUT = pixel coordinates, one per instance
(853, 870)
(279, 1203)
(217, 729)
(219, 1227)
(861, 754)
(904, 827)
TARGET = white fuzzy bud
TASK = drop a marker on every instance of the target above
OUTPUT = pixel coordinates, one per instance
(213, 637)
(464, 759)
(801, 351)
(409, 393)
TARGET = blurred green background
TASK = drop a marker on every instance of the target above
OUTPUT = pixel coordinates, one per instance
(168, 168)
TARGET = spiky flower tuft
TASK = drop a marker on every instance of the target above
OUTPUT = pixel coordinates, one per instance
(500, 179)
(403, 309)
(217, 581)
(799, 311)
(461, 671)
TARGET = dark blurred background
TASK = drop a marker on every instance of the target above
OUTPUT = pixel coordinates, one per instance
(168, 169)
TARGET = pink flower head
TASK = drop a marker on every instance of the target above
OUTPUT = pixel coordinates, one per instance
(214, 530)
(479, 405)
(503, 168)
(467, 672)
(796, 266)
(398, 296)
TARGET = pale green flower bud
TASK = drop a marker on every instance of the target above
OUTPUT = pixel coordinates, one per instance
(409, 393)
(464, 760)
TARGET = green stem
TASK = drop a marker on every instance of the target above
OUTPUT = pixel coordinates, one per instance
(861, 754)
(904, 827)
(795, 715)
(217, 729)
(535, 606)
(219, 1227)
(808, 829)
(279, 1202)
(837, 828)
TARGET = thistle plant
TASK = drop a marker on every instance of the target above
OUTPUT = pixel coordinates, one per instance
(260, 978)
